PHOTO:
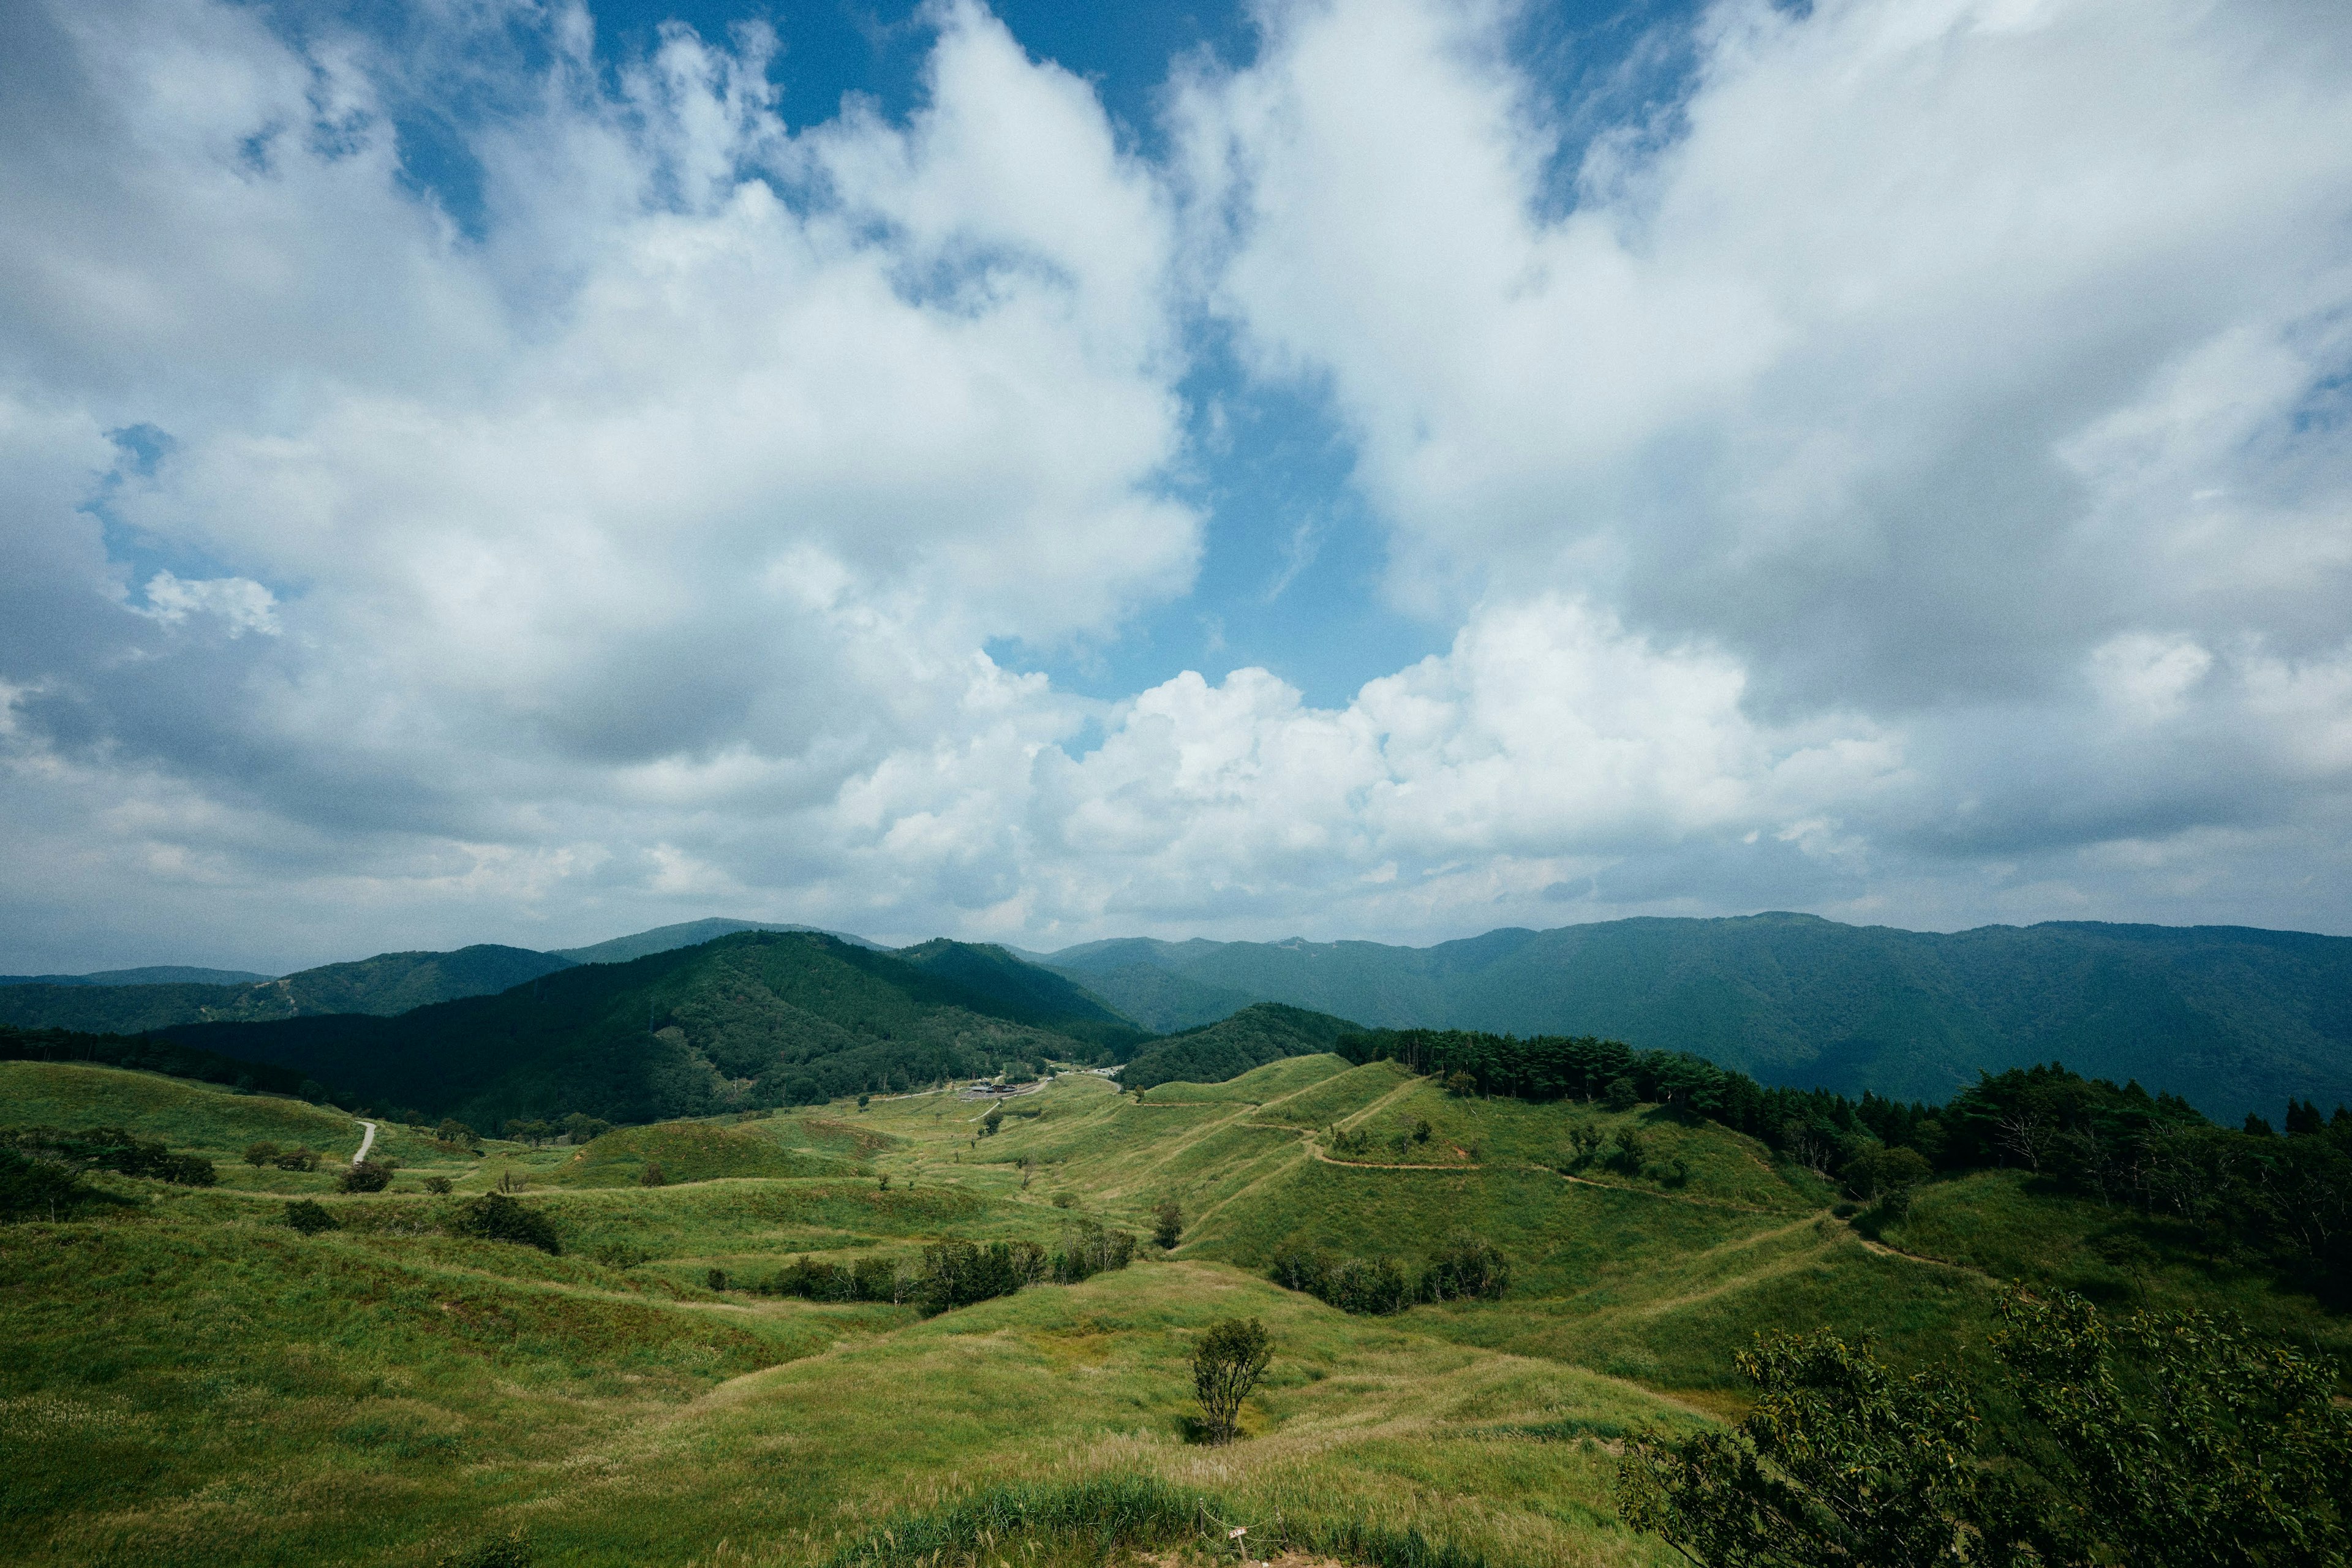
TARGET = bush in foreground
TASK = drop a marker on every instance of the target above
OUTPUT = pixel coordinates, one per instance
(308, 1217)
(2175, 1438)
(1227, 1363)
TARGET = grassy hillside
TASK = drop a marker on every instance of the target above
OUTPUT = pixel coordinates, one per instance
(2231, 1019)
(388, 983)
(1251, 1037)
(185, 1380)
(757, 1019)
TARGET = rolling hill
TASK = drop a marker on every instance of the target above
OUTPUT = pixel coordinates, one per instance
(190, 1380)
(1262, 1033)
(154, 975)
(2230, 1019)
(687, 933)
(758, 1018)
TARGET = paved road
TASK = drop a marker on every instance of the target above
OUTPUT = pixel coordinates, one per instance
(365, 1143)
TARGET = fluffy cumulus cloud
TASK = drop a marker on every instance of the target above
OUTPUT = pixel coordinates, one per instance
(1903, 473)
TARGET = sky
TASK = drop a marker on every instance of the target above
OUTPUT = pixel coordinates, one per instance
(491, 470)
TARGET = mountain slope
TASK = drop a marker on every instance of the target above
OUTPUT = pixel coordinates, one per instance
(387, 983)
(687, 933)
(2232, 1018)
(1026, 991)
(759, 1018)
(1264, 1032)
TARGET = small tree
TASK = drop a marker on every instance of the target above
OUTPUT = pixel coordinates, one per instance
(716, 1280)
(992, 1120)
(261, 1153)
(366, 1176)
(453, 1131)
(1227, 1363)
(652, 1176)
(300, 1158)
(1421, 1131)
(861, 1102)
(438, 1185)
(1621, 1095)
(1460, 1084)
(1168, 1225)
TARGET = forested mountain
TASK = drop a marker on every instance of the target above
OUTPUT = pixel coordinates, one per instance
(1026, 992)
(687, 933)
(154, 975)
(759, 1018)
(387, 983)
(2233, 1019)
(1264, 1032)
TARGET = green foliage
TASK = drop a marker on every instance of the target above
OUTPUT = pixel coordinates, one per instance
(1228, 1363)
(365, 1176)
(261, 1154)
(1461, 1084)
(1878, 1172)
(1466, 1269)
(111, 1149)
(2206, 1444)
(653, 1175)
(309, 1217)
(1168, 1225)
(494, 1217)
(35, 1188)
(300, 1158)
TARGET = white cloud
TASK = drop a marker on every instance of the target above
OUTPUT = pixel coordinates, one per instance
(1908, 479)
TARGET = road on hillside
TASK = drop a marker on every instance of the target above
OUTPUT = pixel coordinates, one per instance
(365, 1143)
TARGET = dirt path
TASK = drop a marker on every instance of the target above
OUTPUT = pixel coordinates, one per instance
(365, 1143)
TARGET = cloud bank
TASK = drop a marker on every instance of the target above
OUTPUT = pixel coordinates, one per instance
(1905, 474)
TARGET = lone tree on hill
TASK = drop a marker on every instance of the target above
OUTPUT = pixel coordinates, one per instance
(1226, 1364)
(1167, 1226)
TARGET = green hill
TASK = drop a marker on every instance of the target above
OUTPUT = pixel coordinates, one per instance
(759, 1018)
(387, 983)
(1252, 1038)
(1026, 991)
(2233, 1019)
(188, 1381)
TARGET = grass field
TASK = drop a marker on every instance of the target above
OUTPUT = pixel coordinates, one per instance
(186, 1379)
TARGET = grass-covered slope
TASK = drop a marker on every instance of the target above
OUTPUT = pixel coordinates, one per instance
(2230, 1019)
(183, 1380)
(759, 1018)
(388, 983)
(1211, 1053)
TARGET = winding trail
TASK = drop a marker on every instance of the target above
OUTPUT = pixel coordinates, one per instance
(365, 1143)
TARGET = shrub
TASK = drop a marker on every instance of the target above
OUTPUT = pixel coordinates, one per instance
(992, 1120)
(1460, 1084)
(584, 1128)
(1466, 1268)
(438, 1185)
(1089, 1249)
(1879, 1171)
(261, 1153)
(1621, 1095)
(494, 1217)
(958, 1273)
(716, 1280)
(365, 1176)
(300, 1158)
(1168, 1225)
(187, 1170)
(652, 1176)
(453, 1131)
(1066, 1200)
(1421, 1131)
(1228, 1363)
(32, 1188)
(309, 1217)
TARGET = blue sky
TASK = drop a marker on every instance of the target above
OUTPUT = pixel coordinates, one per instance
(495, 470)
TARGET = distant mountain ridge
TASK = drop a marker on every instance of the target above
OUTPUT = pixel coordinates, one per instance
(687, 933)
(153, 974)
(389, 983)
(2233, 1019)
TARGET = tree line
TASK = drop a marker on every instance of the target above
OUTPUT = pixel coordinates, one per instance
(2252, 1194)
(1464, 1267)
(952, 1274)
(41, 1167)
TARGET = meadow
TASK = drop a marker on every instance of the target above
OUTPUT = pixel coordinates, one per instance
(183, 1379)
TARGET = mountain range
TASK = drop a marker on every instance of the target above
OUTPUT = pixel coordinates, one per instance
(2234, 1019)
